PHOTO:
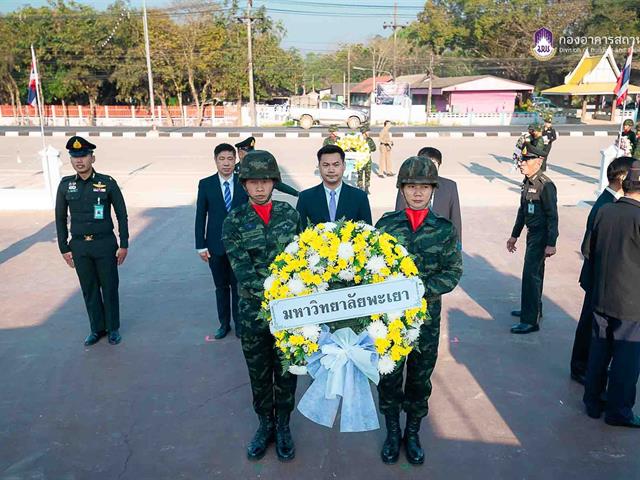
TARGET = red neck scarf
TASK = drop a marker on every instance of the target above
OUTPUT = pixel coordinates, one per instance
(416, 217)
(263, 211)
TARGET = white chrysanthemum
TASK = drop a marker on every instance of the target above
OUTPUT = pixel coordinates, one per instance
(376, 263)
(323, 287)
(345, 250)
(386, 365)
(417, 323)
(330, 226)
(310, 332)
(395, 315)
(313, 259)
(403, 251)
(377, 330)
(412, 334)
(292, 248)
(296, 286)
(298, 369)
(268, 282)
(368, 227)
(347, 274)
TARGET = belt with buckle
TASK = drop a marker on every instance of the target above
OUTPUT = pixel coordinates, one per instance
(90, 237)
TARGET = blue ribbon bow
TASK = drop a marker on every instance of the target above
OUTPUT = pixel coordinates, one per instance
(342, 368)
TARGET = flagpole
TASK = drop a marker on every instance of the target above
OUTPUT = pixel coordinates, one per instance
(38, 96)
(624, 105)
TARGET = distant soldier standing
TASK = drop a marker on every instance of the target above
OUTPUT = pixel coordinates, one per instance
(253, 235)
(539, 212)
(433, 243)
(249, 145)
(386, 165)
(548, 137)
(364, 174)
(536, 145)
(93, 250)
(332, 139)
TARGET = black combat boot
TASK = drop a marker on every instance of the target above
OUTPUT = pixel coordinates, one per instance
(263, 437)
(415, 454)
(285, 448)
(391, 447)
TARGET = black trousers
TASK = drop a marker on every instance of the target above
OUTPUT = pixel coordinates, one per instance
(533, 277)
(226, 290)
(97, 268)
(582, 340)
(616, 341)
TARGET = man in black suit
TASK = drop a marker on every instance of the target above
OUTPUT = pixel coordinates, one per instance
(217, 196)
(445, 201)
(332, 199)
(616, 171)
(615, 272)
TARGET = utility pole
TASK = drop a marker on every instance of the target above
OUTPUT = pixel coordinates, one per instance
(252, 100)
(349, 77)
(373, 93)
(430, 86)
(148, 54)
(395, 26)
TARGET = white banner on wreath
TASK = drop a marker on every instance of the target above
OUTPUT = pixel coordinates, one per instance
(346, 303)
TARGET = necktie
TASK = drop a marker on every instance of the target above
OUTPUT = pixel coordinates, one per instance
(332, 205)
(227, 196)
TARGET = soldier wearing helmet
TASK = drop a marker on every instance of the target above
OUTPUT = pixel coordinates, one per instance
(549, 136)
(629, 134)
(536, 145)
(332, 139)
(433, 243)
(253, 234)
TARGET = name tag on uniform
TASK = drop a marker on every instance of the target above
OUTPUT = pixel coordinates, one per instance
(533, 190)
(98, 212)
(531, 208)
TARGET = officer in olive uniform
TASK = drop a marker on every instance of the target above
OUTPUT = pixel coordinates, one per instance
(364, 175)
(93, 250)
(332, 139)
(627, 131)
(536, 145)
(433, 243)
(539, 212)
(549, 136)
(249, 145)
(253, 235)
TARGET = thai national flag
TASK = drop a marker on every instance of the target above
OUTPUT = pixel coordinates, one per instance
(32, 99)
(622, 85)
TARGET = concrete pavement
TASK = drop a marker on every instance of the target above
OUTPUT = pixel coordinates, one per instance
(170, 403)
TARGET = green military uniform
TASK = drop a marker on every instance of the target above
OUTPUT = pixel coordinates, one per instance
(539, 212)
(549, 136)
(251, 246)
(331, 139)
(93, 243)
(248, 145)
(537, 146)
(364, 174)
(631, 136)
(435, 249)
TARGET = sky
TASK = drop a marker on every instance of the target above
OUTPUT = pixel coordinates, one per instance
(312, 25)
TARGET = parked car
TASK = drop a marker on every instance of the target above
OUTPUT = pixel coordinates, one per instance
(328, 112)
(542, 103)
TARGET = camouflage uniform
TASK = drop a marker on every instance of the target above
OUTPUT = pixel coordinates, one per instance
(434, 247)
(364, 175)
(252, 246)
(331, 140)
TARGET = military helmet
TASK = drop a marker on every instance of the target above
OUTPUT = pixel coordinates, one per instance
(333, 128)
(536, 127)
(364, 128)
(417, 170)
(548, 117)
(628, 123)
(259, 165)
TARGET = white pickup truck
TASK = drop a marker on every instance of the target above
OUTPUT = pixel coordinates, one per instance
(327, 113)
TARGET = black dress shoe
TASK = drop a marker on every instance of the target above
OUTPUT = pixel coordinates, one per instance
(632, 422)
(93, 338)
(390, 174)
(523, 328)
(114, 337)
(515, 313)
(221, 332)
(578, 377)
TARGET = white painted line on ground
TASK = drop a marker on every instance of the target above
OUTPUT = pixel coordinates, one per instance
(152, 134)
(455, 134)
(222, 134)
(600, 133)
(269, 135)
(199, 134)
(11, 134)
(479, 134)
(433, 134)
(82, 134)
(408, 134)
(129, 134)
(59, 134)
(315, 135)
(35, 134)
(175, 134)
(106, 134)
(292, 135)
(575, 134)
(504, 134)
